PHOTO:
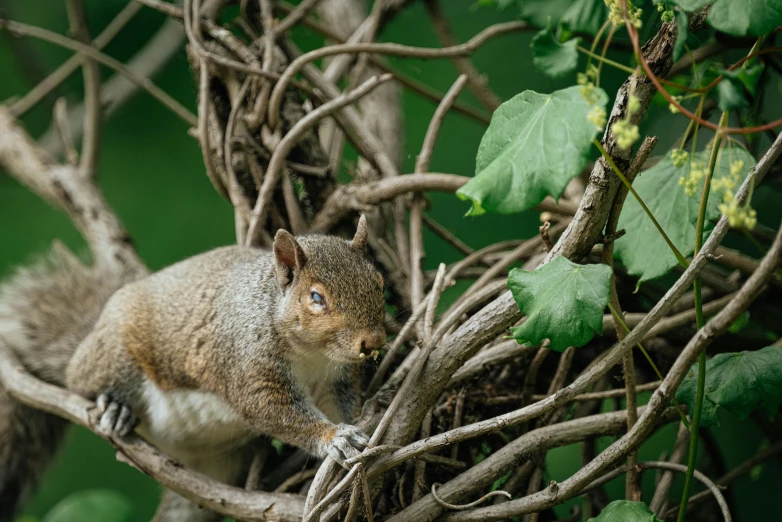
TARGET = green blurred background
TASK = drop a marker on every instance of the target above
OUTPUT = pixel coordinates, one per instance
(152, 174)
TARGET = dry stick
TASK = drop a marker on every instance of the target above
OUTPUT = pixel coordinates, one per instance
(388, 359)
(660, 497)
(90, 145)
(390, 49)
(20, 29)
(632, 486)
(200, 489)
(411, 83)
(63, 188)
(289, 142)
(235, 192)
(347, 198)
(503, 352)
(713, 489)
(421, 166)
(295, 15)
(447, 236)
(535, 442)
(412, 377)
(497, 313)
(203, 130)
(459, 507)
(60, 116)
(157, 51)
(608, 394)
(51, 82)
(476, 82)
(718, 325)
(295, 215)
(253, 481)
(296, 478)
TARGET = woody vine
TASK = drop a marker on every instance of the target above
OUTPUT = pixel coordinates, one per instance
(635, 221)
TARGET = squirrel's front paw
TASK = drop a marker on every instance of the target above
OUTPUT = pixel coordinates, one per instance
(347, 442)
(117, 419)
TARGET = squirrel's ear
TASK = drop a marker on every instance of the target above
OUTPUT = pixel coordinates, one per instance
(288, 257)
(360, 239)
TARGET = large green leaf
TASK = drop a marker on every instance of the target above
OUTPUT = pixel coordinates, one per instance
(553, 58)
(535, 144)
(563, 302)
(626, 511)
(95, 505)
(542, 13)
(585, 16)
(642, 249)
(739, 383)
(739, 17)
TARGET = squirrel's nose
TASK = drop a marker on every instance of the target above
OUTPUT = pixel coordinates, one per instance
(371, 341)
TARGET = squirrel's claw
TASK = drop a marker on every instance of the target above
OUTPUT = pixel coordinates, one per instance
(117, 419)
(348, 442)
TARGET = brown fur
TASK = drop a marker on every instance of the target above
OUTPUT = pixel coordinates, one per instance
(236, 325)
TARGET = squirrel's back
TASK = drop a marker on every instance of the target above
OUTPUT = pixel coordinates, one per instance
(46, 309)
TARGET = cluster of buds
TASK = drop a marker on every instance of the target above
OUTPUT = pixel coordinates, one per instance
(738, 215)
(667, 14)
(616, 13)
(625, 131)
(692, 180)
(680, 158)
(597, 116)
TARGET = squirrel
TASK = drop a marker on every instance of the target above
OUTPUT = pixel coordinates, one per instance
(200, 357)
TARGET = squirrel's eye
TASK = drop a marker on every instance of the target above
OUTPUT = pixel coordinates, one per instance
(317, 298)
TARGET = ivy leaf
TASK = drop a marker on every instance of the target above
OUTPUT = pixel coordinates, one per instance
(730, 95)
(642, 250)
(535, 144)
(563, 302)
(95, 505)
(542, 13)
(739, 383)
(626, 511)
(585, 16)
(554, 59)
(739, 17)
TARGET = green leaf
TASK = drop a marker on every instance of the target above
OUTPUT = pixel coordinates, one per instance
(585, 16)
(683, 26)
(535, 144)
(626, 511)
(94, 505)
(739, 383)
(501, 4)
(739, 17)
(730, 95)
(642, 249)
(542, 13)
(563, 302)
(553, 58)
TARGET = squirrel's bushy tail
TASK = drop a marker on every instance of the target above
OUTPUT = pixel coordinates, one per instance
(45, 311)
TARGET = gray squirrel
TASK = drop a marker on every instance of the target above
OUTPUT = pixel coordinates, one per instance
(198, 358)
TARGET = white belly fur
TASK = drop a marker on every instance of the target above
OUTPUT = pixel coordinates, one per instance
(182, 420)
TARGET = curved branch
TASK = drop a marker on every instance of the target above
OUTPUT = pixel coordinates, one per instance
(20, 29)
(290, 140)
(390, 49)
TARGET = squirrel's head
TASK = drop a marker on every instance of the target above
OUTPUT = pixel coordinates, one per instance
(334, 296)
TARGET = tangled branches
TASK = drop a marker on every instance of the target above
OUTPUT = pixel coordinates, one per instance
(454, 408)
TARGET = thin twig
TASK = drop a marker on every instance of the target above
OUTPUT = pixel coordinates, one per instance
(289, 142)
(20, 29)
(51, 82)
(389, 49)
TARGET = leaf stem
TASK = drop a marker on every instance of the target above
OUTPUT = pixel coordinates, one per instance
(700, 322)
(679, 257)
(606, 61)
(624, 326)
